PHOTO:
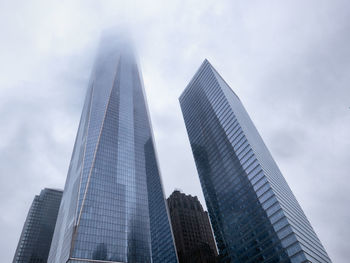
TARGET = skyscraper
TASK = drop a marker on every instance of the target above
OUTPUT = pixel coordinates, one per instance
(34, 243)
(113, 207)
(254, 214)
(192, 231)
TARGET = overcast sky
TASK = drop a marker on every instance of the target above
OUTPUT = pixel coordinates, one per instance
(288, 61)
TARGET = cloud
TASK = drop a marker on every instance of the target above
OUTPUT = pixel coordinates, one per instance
(287, 61)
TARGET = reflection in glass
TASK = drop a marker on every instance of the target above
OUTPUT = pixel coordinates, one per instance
(113, 206)
(254, 214)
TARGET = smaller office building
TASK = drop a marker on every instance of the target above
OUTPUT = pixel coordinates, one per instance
(35, 241)
(192, 231)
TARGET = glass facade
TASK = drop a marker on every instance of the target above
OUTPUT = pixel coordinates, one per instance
(254, 214)
(113, 207)
(34, 243)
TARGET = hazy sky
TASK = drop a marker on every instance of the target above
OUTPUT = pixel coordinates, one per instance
(288, 61)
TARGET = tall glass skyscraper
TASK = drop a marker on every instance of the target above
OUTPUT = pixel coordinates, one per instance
(34, 243)
(254, 214)
(113, 207)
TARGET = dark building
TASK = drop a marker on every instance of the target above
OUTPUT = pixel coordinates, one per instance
(34, 243)
(192, 231)
(254, 214)
(113, 207)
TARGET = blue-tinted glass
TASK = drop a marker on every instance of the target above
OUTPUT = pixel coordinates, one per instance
(36, 237)
(254, 214)
(113, 205)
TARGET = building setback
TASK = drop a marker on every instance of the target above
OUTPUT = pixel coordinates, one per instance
(34, 243)
(113, 207)
(192, 231)
(254, 214)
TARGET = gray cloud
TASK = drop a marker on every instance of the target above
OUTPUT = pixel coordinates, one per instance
(288, 61)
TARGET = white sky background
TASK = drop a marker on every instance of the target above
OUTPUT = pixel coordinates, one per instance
(288, 61)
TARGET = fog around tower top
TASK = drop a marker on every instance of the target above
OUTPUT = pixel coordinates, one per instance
(287, 61)
(116, 38)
